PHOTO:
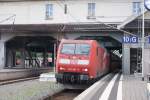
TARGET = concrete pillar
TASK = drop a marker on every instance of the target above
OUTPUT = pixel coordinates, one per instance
(146, 61)
(3, 38)
(9, 57)
(23, 59)
(2, 54)
(126, 60)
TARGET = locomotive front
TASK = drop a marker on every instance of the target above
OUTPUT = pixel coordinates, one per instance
(73, 62)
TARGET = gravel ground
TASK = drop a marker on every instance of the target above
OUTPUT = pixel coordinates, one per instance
(29, 90)
(67, 95)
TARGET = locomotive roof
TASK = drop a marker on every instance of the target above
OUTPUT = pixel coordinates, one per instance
(77, 41)
(82, 41)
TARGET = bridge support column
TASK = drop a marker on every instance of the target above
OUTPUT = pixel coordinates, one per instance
(2, 54)
(126, 59)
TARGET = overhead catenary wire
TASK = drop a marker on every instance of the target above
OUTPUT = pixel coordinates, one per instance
(117, 28)
(110, 1)
(8, 18)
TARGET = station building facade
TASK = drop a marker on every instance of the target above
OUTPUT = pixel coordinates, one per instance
(31, 30)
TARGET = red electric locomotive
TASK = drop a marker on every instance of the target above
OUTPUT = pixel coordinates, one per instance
(81, 60)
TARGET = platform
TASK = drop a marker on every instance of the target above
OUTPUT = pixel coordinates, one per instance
(47, 77)
(9, 74)
(134, 88)
(118, 87)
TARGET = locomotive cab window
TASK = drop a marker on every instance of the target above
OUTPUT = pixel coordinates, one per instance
(68, 49)
(81, 49)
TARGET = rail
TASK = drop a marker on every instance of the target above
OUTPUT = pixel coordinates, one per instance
(17, 80)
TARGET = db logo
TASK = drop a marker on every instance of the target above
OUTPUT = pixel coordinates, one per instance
(73, 62)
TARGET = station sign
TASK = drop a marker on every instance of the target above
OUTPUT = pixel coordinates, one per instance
(130, 39)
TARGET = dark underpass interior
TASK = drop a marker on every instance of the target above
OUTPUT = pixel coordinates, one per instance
(135, 60)
(30, 52)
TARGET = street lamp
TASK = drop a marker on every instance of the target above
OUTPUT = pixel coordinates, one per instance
(147, 6)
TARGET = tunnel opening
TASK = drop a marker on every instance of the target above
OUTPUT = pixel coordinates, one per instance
(30, 52)
(113, 47)
(115, 58)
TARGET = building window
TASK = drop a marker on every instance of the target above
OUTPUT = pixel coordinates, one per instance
(49, 11)
(136, 7)
(65, 8)
(91, 10)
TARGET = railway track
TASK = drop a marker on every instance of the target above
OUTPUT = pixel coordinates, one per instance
(16, 80)
(70, 92)
(67, 94)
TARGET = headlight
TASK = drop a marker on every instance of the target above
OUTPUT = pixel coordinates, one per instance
(86, 70)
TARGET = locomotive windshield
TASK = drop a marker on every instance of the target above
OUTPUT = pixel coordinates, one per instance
(82, 49)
